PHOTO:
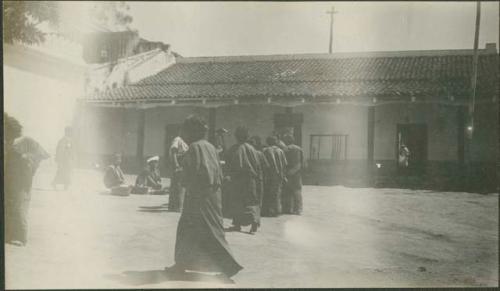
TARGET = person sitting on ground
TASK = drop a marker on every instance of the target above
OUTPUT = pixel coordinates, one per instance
(150, 177)
(114, 178)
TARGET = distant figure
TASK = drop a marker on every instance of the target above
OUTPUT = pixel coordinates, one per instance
(150, 177)
(256, 143)
(243, 174)
(200, 243)
(114, 178)
(64, 159)
(176, 197)
(404, 156)
(32, 150)
(292, 195)
(17, 179)
(275, 178)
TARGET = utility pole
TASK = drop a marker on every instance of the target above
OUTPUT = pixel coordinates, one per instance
(470, 116)
(331, 12)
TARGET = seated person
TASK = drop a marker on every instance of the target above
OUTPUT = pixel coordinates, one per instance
(114, 179)
(150, 178)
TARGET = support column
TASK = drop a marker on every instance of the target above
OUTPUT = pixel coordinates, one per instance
(211, 124)
(461, 135)
(140, 138)
(371, 133)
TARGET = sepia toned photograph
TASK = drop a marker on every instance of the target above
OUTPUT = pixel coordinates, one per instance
(159, 145)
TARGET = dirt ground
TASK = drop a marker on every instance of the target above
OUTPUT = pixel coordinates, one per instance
(84, 238)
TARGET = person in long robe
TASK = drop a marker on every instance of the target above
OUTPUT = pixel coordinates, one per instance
(243, 174)
(177, 192)
(150, 177)
(200, 243)
(275, 178)
(32, 150)
(262, 173)
(292, 195)
(64, 159)
(17, 183)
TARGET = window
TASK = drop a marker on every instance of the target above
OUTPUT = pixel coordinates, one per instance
(328, 147)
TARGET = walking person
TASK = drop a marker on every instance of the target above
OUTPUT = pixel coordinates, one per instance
(200, 243)
(243, 175)
(176, 197)
(64, 159)
(275, 178)
(17, 179)
(292, 195)
(32, 150)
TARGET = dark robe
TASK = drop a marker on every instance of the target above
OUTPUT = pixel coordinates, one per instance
(243, 168)
(201, 244)
(113, 176)
(17, 178)
(148, 178)
(64, 160)
(262, 172)
(275, 178)
(292, 194)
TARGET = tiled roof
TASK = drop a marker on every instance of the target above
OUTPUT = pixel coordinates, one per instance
(314, 76)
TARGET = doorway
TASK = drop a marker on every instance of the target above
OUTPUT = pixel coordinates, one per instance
(411, 148)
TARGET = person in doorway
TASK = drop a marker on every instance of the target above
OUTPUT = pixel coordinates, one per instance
(114, 179)
(150, 177)
(177, 192)
(200, 243)
(243, 175)
(18, 176)
(404, 156)
(64, 159)
(292, 195)
(275, 178)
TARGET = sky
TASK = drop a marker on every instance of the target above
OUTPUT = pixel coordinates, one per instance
(259, 28)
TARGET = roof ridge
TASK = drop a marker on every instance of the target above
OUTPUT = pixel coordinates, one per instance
(323, 56)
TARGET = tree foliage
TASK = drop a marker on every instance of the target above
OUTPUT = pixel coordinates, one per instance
(22, 18)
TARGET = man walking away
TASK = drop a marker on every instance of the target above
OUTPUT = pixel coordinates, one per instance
(200, 243)
(292, 198)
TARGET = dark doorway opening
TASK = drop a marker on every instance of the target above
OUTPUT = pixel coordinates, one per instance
(411, 143)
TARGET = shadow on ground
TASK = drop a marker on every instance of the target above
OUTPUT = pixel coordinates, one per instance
(155, 209)
(137, 278)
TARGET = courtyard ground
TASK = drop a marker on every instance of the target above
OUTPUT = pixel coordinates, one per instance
(346, 237)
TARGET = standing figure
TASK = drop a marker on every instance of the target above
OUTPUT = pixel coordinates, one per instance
(200, 243)
(176, 197)
(150, 176)
(275, 178)
(255, 142)
(292, 195)
(18, 176)
(243, 175)
(64, 159)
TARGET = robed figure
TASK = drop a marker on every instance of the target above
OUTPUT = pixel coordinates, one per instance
(18, 176)
(292, 194)
(275, 178)
(243, 170)
(262, 170)
(64, 159)
(200, 243)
